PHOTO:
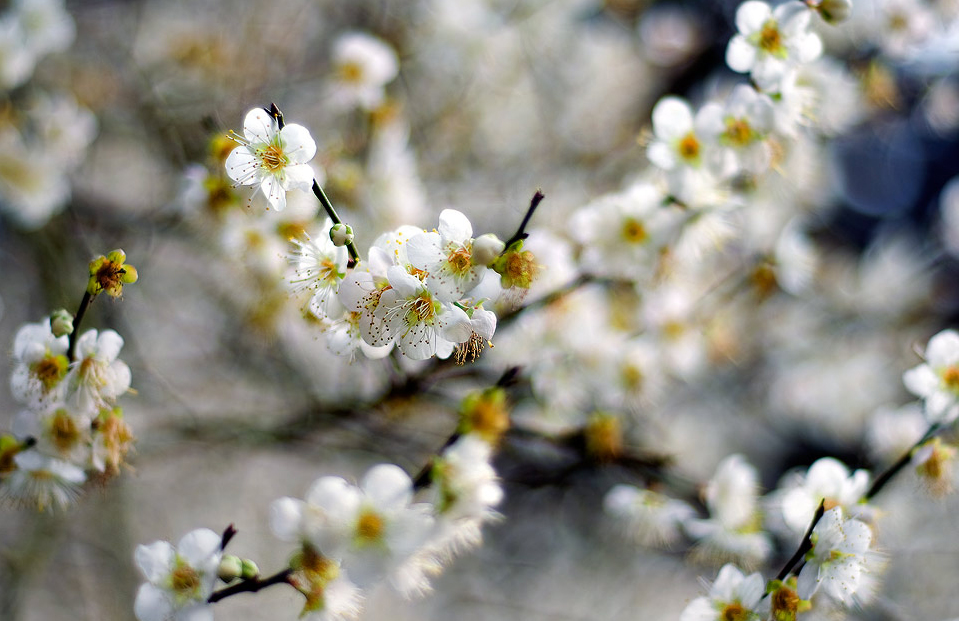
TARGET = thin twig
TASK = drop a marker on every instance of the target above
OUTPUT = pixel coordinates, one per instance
(251, 586)
(331, 212)
(805, 546)
(900, 463)
(77, 319)
(521, 231)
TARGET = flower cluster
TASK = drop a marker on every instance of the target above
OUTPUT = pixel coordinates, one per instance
(44, 134)
(71, 426)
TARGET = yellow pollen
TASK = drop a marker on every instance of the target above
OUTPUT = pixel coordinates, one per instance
(460, 260)
(634, 232)
(770, 39)
(370, 527)
(785, 600)
(738, 132)
(184, 580)
(950, 378)
(350, 72)
(734, 611)
(109, 275)
(50, 370)
(64, 431)
(273, 157)
(422, 309)
(689, 147)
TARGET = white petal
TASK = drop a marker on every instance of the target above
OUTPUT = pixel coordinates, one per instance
(727, 580)
(109, 345)
(484, 323)
(298, 144)
(751, 16)
(298, 177)
(405, 285)
(672, 118)
(943, 349)
(155, 560)
(152, 604)
(388, 487)
(661, 155)
(199, 548)
(196, 612)
(423, 250)
(259, 126)
(740, 55)
(273, 190)
(286, 519)
(242, 166)
(458, 328)
(808, 581)
(454, 226)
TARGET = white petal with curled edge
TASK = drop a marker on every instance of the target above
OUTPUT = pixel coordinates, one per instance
(155, 560)
(259, 126)
(454, 226)
(298, 144)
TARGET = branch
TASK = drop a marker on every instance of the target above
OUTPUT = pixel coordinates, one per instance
(805, 546)
(900, 463)
(521, 233)
(331, 212)
(77, 319)
(251, 586)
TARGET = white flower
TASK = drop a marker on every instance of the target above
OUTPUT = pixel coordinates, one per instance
(17, 60)
(827, 481)
(179, 580)
(97, 378)
(937, 380)
(738, 127)
(771, 42)
(446, 255)
(732, 596)
(421, 323)
(838, 560)
(42, 480)
(373, 528)
(46, 24)
(363, 65)
(678, 135)
(273, 159)
(40, 363)
(473, 334)
(650, 518)
(464, 482)
(319, 266)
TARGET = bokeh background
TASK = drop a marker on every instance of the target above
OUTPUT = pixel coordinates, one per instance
(237, 402)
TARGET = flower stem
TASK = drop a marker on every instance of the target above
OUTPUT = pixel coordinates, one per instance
(900, 463)
(251, 586)
(331, 212)
(77, 319)
(805, 546)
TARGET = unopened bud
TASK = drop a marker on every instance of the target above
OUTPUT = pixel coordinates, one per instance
(834, 11)
(61, 323)
(341, 234)
(250, 570)
(486, 248)
(231, 568)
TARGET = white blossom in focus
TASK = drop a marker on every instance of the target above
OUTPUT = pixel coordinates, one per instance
(733, 595)
(318, 267)
(838, 562)
(827, 481)
(272, 159)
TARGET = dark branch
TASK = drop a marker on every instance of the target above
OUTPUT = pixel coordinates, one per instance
(900, 463)
(805, 546)
(251, 586)
(331, 212)
(77, 319)
(521, 231)
(228, 534)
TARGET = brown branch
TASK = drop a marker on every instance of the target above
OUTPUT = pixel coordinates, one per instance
(251, 586)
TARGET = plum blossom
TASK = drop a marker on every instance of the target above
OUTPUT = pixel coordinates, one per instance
(936, 381)
(272, 159)
(179, 580)
(838, 562)
(733, 595)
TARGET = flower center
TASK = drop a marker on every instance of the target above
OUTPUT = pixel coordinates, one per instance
(350, 72)
(422, 309)
(734, 611)
(950, 378)
(689, 147)
(273, 157)
(370, 527)
(64, 431)
(50, 370)
(184, 581)
(460, 261)
(634, 232)
(738, 132)
(770, 39)
(785, 600)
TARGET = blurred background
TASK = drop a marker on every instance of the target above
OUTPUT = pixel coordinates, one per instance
(112, 137)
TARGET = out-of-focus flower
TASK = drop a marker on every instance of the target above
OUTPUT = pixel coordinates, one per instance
(179, 580)
(733, 595)
(650, 518)
(362, 66)
(936, 381)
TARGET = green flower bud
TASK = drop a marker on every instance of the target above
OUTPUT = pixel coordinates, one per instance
(250, 570)
(231, 568)
(61, 323)
(341, 234)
